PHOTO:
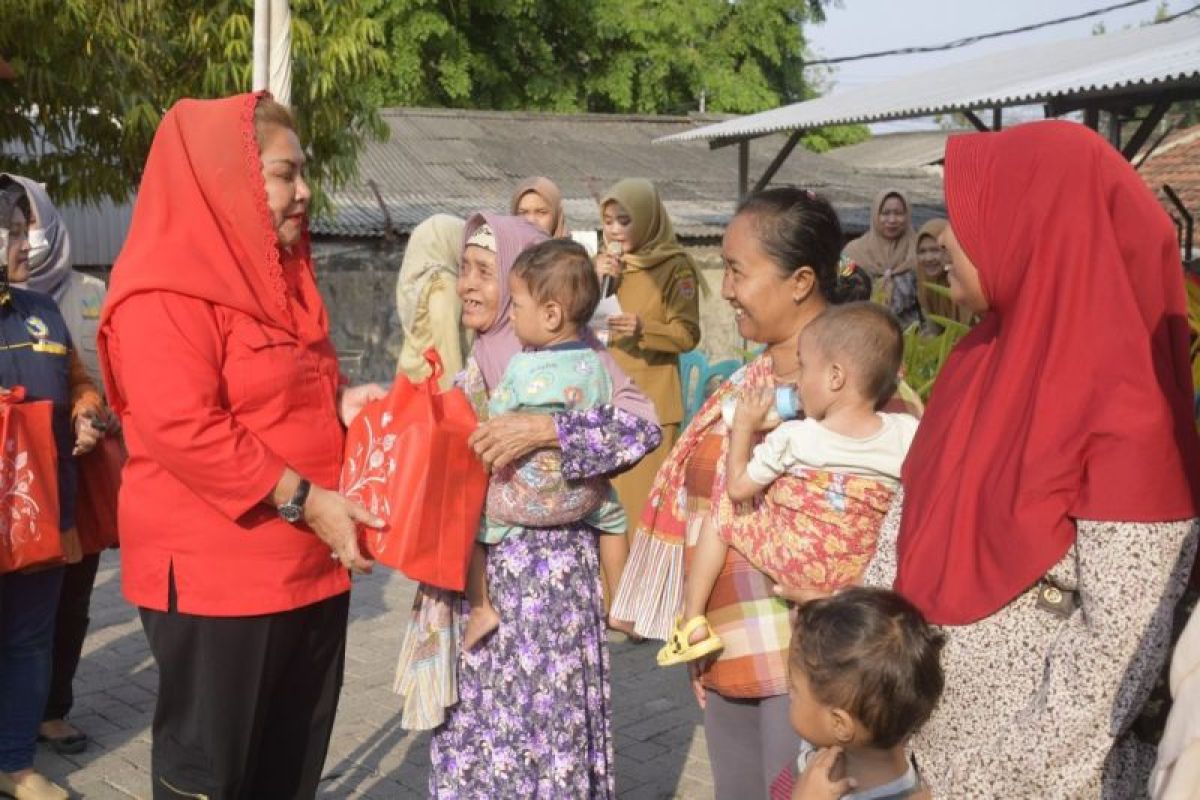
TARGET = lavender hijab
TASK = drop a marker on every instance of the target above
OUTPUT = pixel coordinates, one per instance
(49, 275)
(496, 346)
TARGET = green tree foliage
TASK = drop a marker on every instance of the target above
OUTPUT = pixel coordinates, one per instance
(95, 76)
(627, 56)
(630, 56)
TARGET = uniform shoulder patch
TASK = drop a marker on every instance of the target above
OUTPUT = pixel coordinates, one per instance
(686, 286)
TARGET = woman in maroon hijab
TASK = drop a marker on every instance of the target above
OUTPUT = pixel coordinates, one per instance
(1049, 507)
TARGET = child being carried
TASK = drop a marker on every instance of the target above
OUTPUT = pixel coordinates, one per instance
(827, 479)
(554, 291)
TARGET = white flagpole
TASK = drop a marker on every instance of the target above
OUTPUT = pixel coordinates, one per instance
(280, 61)
(262, 44)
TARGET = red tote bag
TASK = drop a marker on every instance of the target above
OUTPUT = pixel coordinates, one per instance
(99, 485)
(29, 534)
(407, 460)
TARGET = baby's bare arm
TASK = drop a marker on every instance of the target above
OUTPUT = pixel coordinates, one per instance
(752, 409)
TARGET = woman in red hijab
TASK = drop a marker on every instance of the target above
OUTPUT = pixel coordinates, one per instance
(1050, 498)
(234, 543)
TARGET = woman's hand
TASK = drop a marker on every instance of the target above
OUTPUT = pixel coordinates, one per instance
(697, 689)
(335, 518)
(799, 596)
(351, 400)
(625, 324)
(89, 430)
(72, 547)
(502, 440)
(608, 266)
(817, 781)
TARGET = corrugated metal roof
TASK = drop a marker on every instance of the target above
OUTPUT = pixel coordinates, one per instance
(1156, 55)
(456, 161)
(909, 150)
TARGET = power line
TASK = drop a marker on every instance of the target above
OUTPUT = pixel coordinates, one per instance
(904, 51)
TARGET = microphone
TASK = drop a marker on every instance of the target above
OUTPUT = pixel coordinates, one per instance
(616, 250)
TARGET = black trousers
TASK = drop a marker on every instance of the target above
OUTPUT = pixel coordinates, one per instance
(245, 704)
(70, 629)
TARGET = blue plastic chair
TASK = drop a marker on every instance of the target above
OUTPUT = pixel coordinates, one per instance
(700, 379)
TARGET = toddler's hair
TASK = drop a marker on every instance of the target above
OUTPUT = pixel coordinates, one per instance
(870, 653)
(854, 282)
(869, 337)
(559, 270)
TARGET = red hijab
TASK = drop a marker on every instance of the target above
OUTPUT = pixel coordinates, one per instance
(201, 228)
(1072, 399)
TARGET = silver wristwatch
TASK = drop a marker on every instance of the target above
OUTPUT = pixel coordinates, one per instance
(293, 510)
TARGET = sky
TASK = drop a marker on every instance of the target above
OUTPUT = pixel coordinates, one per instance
(860, 26)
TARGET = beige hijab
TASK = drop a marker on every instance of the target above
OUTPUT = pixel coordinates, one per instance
(548, 191)
(434, 245)
(433, 250)
(876, 253)
(654, 241)
(932, 301)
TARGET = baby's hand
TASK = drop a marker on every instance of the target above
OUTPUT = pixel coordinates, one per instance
(818, 783)
(752, 409)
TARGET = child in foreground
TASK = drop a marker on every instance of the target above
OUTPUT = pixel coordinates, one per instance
(832, 474)
(554, 292)
(865, 675)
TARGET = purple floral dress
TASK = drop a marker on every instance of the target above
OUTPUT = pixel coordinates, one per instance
(533, 718)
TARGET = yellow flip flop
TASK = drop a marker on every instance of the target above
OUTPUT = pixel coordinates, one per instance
(678, 650)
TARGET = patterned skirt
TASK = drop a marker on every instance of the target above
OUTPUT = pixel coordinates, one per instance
(1040, 705)
(533, 718)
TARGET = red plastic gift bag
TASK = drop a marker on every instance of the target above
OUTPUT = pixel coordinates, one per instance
(407, 460)
(29, 534)
(96, 503)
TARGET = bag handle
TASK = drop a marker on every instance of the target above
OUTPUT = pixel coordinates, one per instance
(435, 365)
(14, 395)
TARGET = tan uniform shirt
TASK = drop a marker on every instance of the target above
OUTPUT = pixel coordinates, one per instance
(80, 308)
(667, 300)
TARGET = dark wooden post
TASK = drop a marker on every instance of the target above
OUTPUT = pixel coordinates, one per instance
(743, 169)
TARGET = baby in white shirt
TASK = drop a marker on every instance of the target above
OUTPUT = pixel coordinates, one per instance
(849, 359)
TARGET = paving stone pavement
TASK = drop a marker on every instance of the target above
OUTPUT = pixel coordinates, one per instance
(659, 743)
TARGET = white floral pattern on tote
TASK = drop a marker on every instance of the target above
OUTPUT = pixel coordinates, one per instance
(19, 512)
(372, 464)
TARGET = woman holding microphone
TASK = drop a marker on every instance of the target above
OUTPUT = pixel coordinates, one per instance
(658, 287)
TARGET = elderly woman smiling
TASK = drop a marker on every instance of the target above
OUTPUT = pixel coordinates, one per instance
(532, 716)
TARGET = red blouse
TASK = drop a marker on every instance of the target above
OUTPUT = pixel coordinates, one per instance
(216, 405)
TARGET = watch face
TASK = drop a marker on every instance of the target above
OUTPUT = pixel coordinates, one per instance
(290, 513)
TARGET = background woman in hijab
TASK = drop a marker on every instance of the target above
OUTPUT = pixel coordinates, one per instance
(540, 202)
(426, 301)
(35, 350)
(932, 261)
(658, 288)
(1048, 520)
(79, 298)
(888, 252)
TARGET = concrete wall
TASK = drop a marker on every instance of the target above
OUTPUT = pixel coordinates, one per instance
(358, 281)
